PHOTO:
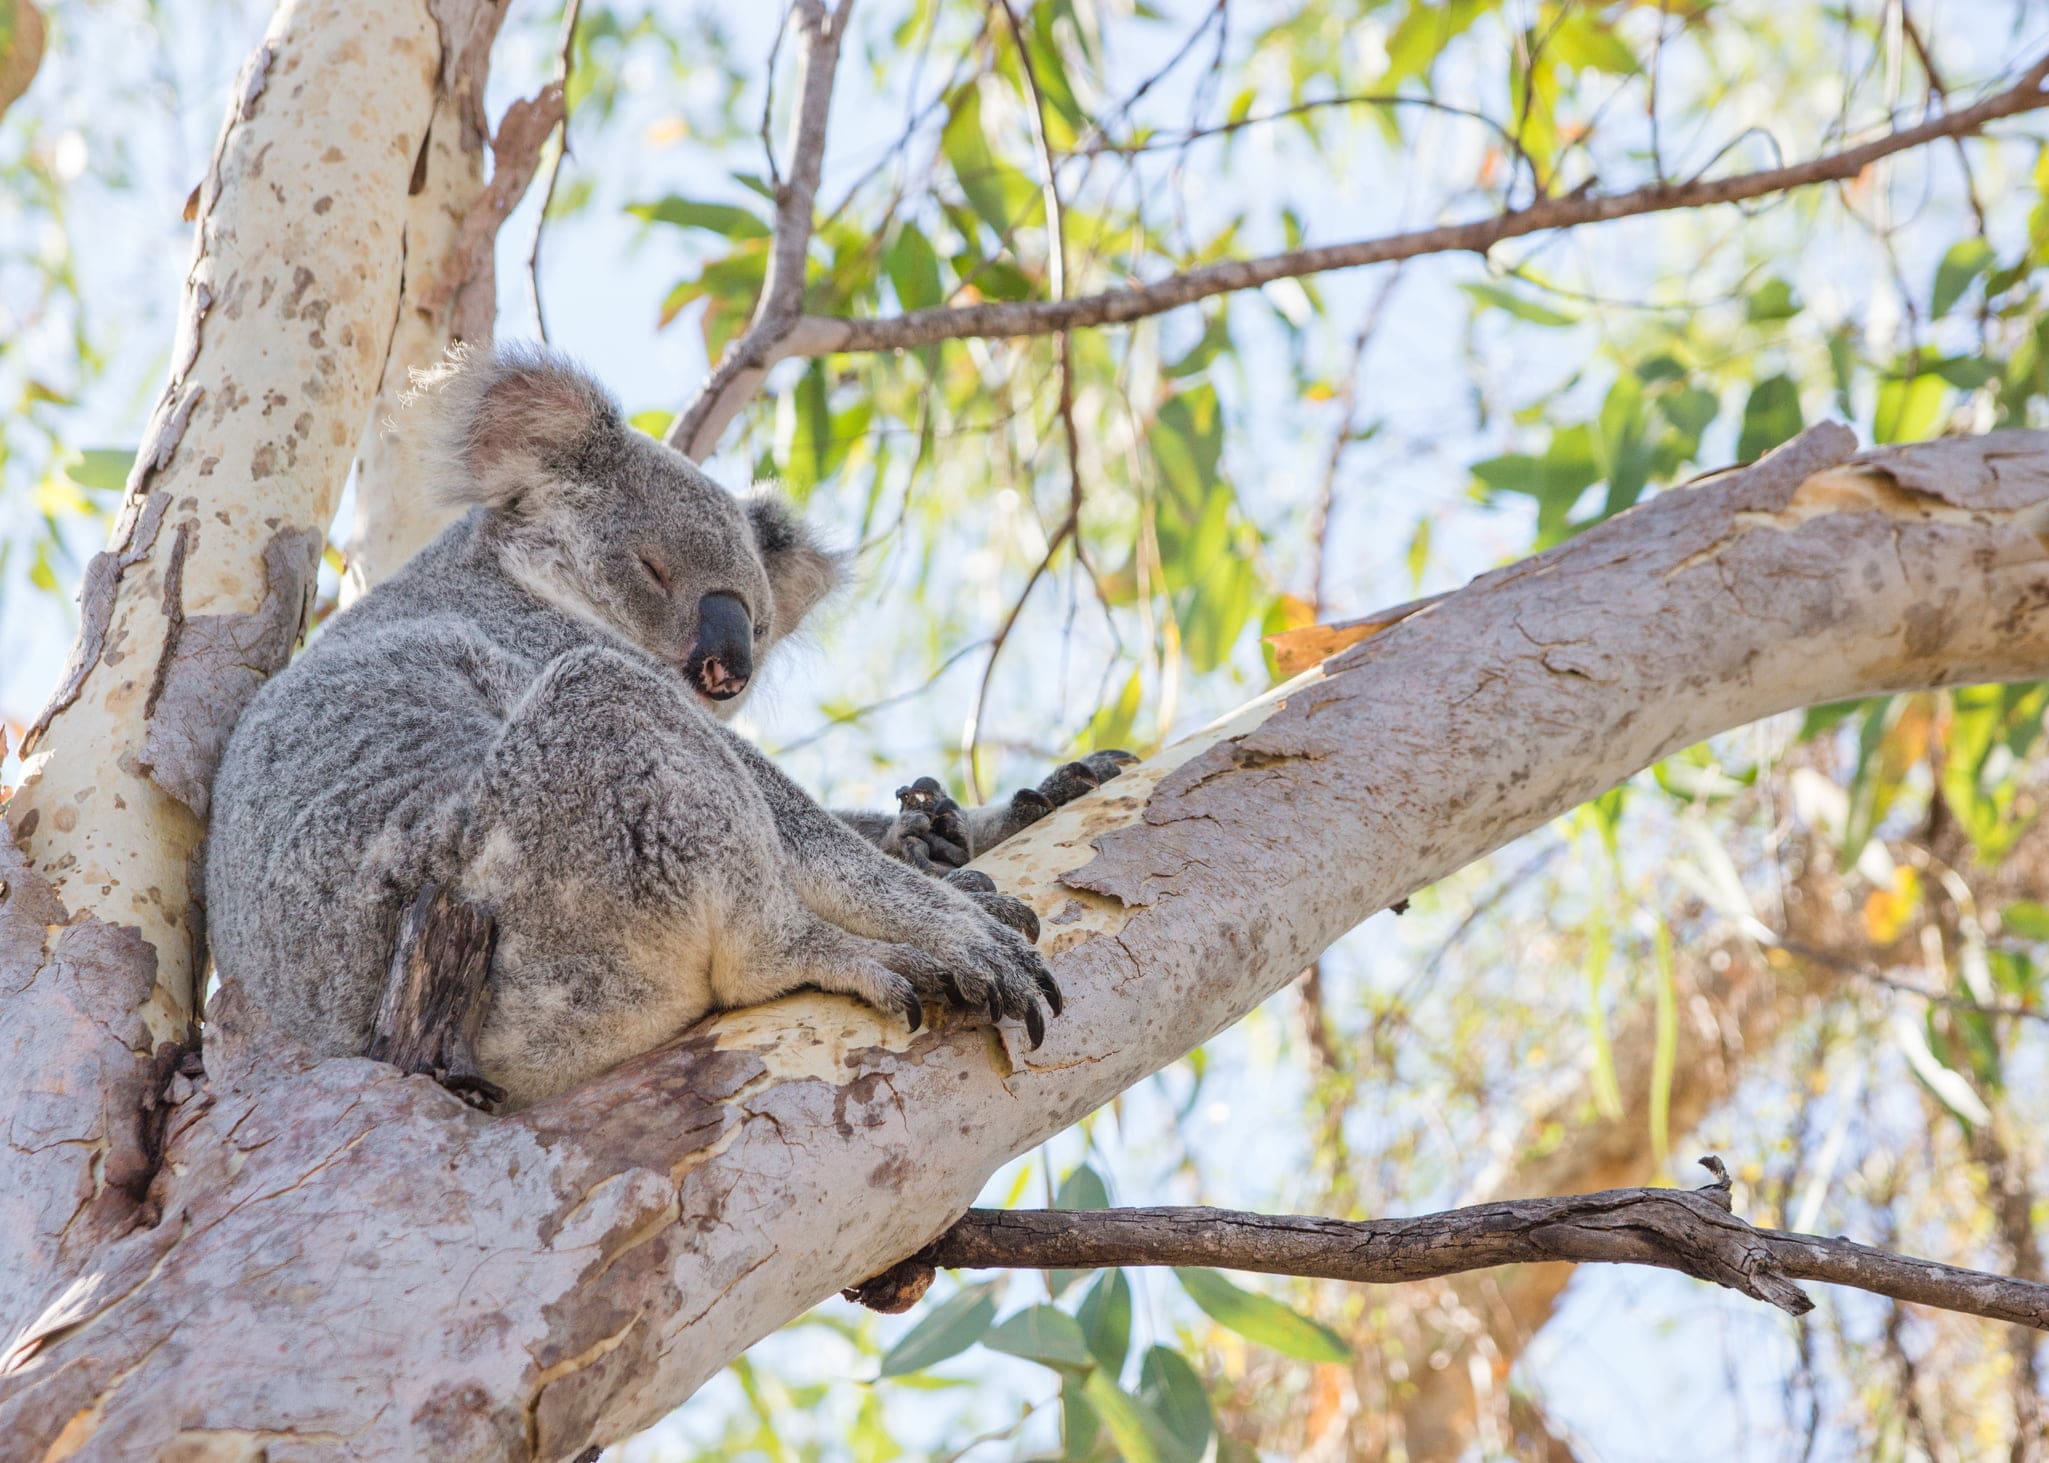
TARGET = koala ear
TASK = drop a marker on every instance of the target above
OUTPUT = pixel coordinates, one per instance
(800, 571)
(491, 426)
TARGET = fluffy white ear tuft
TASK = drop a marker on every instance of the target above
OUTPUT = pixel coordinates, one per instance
(494, 426)
(801, 572)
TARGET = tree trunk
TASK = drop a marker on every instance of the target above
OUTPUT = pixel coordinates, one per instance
(336, 1258)
(446, 295)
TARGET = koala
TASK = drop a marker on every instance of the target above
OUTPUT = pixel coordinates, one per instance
(531, 715)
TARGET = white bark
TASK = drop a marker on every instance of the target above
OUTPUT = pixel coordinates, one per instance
(392, 520)
(350, 1261)
(282, 333)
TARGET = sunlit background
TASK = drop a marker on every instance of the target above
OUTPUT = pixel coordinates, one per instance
(1593, 1006)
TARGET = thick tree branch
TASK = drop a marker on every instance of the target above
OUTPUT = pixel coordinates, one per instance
(829, 335)
(454, 1285)
(1692, 1231)
(695, 432)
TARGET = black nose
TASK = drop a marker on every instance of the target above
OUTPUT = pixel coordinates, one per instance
(723, 657)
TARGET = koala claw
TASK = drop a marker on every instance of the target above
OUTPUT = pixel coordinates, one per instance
(1035, 1025)
(1050, 989)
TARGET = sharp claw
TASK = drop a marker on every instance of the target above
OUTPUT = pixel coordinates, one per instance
(914, 1012)
(995, 1004)
(1050, 989)
(1035, 1024)
(960, 997)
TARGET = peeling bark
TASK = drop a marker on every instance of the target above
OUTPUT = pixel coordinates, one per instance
(352, 1260)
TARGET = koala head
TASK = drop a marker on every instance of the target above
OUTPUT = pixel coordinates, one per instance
(603, 521)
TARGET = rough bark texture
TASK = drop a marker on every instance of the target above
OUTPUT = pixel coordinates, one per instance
(347, 1259)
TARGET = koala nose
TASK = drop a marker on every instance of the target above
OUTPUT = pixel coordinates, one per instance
(723, 657)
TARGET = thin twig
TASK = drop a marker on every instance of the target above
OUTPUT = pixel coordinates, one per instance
(972, 731)
(824, 335)
(695, 432)
(895, 698)
(1056, 259)
(565, 62)
(1692, 1231)
(1348, 402)
(1163, 141)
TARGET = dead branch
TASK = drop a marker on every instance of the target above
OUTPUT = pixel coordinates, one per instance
(1692, 1231)
(696, 430)
(830, 335)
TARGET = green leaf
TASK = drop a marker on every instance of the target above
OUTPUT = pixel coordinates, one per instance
(1169, 1386)
(1000, 194)
(1044, 1334)
(1105, 1316)
(1821, 718)
(913, 269)
(1965, 261)
(1079, 1421)
(1082, 1189)
(953, 1326)
(688, 213)
(101, 469)
(2027, 919)
(1772, 300)
(1771, 416)
(1517, 305)
(1690, 410)
(1139, 1435)
(1910, 408)
(1262, 1319)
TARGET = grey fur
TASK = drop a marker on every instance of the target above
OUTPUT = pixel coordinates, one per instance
(509, 717)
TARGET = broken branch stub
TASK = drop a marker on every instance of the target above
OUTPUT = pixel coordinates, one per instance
(436, 996)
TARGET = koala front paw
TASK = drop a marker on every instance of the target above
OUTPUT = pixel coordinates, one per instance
(928, 833)
(984, 962)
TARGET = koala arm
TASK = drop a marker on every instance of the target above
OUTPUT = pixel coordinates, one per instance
(933, 833)
(848, 881)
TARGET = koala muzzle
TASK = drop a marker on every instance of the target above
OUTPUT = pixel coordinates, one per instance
(721, 661)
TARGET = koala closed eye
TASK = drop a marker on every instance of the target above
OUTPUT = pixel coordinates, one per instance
(657, 571)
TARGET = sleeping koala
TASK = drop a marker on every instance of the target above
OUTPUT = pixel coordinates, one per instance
(530, 715)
